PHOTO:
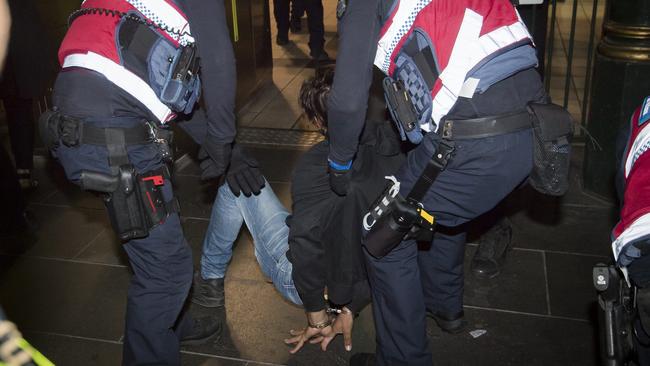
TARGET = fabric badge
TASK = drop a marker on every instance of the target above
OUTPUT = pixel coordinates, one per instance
(341, 7)
(644, 115)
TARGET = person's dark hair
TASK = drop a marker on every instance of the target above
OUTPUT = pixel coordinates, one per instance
(314, 93)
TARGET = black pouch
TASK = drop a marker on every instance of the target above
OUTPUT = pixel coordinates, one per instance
(152, 197)
(552, 132)
(391, 227)
(401, 109)
(125, 207)
(48, 127)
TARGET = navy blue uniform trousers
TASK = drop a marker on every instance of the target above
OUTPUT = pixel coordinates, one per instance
(314, 9)
(408, 282)
(161, 262)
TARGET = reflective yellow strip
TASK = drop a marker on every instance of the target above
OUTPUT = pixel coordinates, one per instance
(235, 25)
(38, 358)
(427, 216)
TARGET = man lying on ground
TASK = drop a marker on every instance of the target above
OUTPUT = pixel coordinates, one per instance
(318, 246)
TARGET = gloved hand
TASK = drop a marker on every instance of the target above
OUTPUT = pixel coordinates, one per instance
(214, 158)
(244, 175)
(339, 177)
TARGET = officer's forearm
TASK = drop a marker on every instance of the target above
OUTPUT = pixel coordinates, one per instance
(218, 74)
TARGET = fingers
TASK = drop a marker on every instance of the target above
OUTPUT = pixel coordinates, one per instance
(347, 338)
(252, 181)
(326, 341)
(298, 346)
(317, 339)
(300, 336)
(348, 322)
(245, 179)
(233, 184)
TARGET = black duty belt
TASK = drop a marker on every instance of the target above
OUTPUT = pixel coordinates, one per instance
(475, 128)
(75, 132)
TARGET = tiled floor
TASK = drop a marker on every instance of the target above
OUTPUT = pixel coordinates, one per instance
(65, 284)
(66, 288)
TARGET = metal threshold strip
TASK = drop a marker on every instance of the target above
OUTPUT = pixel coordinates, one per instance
(280, 138)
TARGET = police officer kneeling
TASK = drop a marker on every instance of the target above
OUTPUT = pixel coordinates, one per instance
(462, 86)
(127, 68)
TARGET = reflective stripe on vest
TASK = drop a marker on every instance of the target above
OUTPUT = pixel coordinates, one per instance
(634, 224)
(124, 79)
(468, 50)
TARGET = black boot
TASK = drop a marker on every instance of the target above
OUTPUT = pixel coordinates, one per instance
(201, 329)
(492, 249)
(453, 324)
(282, 39)
(208, 293)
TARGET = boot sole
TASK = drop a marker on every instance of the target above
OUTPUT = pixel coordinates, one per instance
(455, 326)
(200, 341)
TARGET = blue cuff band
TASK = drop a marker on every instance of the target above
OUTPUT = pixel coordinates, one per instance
(338, 166)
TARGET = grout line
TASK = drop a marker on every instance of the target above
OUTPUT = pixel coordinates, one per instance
(89, 243)
(76, 337)
(548, 292)
(561, 252)
(120, 342)
(66, 260)
(601, 205)
(229, 358)
(551, 252)
(527, 314)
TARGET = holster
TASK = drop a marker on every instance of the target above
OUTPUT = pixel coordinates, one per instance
(135, 202)
(393, 218)
(615, 315)
(404, 219)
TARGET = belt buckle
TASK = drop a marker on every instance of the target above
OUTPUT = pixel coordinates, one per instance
(153, 132)
(447, 128)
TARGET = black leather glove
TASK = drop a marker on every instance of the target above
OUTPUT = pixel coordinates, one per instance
(339, 177)
(214, 158)
(244, 175)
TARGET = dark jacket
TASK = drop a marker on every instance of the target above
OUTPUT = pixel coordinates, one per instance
(30, 65)
(325, 229)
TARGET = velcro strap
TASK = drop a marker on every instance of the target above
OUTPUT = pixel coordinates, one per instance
(435, 165)
(100, 136)
(486, 126)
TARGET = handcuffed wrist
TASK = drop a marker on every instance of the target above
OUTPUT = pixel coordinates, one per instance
(320, 325)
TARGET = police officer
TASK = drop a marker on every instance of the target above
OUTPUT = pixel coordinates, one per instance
(314, 9)
(128, 67)
(459, 61)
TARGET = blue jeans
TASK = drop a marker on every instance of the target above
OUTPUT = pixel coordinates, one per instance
(265, 218)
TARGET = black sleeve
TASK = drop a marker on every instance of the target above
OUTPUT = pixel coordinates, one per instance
(361, 297)
(311, 198)
(347, 103)
(218, 75)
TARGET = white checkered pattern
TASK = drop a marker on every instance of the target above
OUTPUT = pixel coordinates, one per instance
(166, 16)
(402, 23)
